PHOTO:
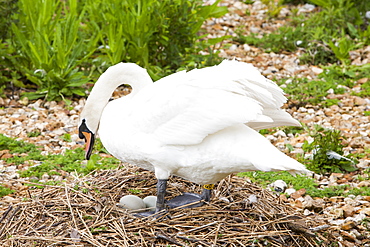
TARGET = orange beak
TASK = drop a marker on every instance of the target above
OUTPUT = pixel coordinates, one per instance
(89, 139)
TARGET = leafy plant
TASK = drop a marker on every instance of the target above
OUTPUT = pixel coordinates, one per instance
(7, 7)
(50, 46)
(345, 75)
(273, 7)
(34, 133)
(342, 48)
(19, 147)
(66, 137)
(55, 47)
(155, 34)
(327, 152)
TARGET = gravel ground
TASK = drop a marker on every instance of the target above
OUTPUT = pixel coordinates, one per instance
(345, 214)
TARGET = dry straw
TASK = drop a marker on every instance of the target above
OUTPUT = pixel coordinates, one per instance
(83, 212)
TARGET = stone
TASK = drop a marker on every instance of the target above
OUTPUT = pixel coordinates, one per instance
(359, 101)
(279, 186)
(297, 204)
(283, 198)
(298, 193)
(337, 212)
(317, 70)
(366, 198)
(336, 199)
(348, 210)
(6, 156)
(348, 236)
(290, 191)
(308, 202)
(318, 205)
(334, 177)
(348, 225)
(363, 184)
(365, 211)
(351, 202)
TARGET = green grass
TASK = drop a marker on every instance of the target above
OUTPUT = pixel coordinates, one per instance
(52, 164)
(333, 77)
(326, 36)
(311, 91)
(302, 181)
(266, 178)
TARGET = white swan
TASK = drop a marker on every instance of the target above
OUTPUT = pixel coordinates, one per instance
(200, 125)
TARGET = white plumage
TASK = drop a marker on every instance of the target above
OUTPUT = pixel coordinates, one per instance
(200, 125)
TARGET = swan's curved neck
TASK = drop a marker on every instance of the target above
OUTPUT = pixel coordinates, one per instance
(122, 73)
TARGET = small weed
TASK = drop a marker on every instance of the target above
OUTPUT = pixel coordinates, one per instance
(292, 130)
(66, 137)
(327, 152)
(34, 133)
(87, 217)
(5, 191)
(366, 222)
(345, 75)
(135, 191)
(363, 191)
(97, 230)
(273, 7)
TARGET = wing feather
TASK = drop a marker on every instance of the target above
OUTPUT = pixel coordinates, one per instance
(183, 108)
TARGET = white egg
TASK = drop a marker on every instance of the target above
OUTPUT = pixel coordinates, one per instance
(131, 202)
(150, 202)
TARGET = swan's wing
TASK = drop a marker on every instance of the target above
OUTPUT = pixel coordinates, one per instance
(182, 109)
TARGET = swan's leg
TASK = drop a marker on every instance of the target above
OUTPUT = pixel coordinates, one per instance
(207, 192)
(194, 200)
(161, 192)
(160, 205)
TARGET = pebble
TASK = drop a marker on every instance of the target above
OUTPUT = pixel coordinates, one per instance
(298, 193)
(278, 186)
(348, 225)
(363, 184)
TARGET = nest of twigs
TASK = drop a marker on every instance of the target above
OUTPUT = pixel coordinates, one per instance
(84, 213)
